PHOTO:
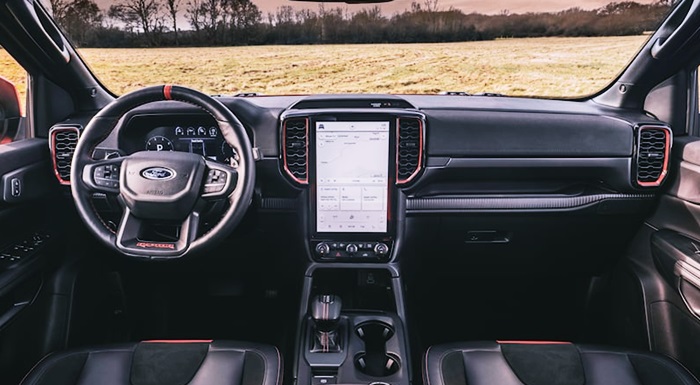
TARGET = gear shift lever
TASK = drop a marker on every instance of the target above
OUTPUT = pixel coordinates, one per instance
(325, 311)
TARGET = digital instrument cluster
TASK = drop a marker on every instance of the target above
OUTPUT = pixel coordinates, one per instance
(197, 137)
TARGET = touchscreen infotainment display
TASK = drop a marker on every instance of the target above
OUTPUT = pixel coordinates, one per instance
(352, 176)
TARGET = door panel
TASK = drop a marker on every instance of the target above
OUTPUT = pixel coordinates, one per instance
(28, 196)
(665, 263)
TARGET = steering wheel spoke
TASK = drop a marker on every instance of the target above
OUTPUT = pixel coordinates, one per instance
(219, 180)
(130, 237)
(103, 176)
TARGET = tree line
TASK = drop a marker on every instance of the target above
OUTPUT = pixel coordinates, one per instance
(156, 23)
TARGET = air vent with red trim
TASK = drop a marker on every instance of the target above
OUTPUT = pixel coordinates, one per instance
(62, 140)
(652, 155)
(295, 148)
(409, 149)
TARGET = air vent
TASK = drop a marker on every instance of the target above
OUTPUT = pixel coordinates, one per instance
(653, 150)
(295, 142)
(63, 140)
(409, 149)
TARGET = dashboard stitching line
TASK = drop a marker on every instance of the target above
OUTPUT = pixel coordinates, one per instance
(429, 204)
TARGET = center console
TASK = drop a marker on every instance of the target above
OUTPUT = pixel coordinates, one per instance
(352, 195)
(355, 335)
(351, 166)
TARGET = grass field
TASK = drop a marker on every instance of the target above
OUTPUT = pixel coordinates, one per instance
(537, 66)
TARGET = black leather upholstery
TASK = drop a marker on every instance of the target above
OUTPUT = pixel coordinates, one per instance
(484, 363)
(220, 362)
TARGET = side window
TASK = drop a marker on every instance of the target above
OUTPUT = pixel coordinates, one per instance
(13, 96)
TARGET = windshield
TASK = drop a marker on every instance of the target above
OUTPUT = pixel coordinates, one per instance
(518, 48)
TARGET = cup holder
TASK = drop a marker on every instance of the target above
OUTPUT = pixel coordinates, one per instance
(374, 331)
(377, 364)
(375, 361)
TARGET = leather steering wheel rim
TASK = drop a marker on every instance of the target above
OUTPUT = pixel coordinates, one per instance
(102, 125)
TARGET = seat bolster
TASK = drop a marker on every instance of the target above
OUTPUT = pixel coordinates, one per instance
(467, 364)
(633, 367)
(67, 368)
(240, 363)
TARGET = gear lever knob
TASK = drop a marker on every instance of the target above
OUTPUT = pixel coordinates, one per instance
(325, 311)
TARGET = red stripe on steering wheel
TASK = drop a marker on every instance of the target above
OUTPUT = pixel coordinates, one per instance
(167, 89)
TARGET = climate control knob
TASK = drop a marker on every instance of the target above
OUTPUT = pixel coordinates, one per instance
(381, 249)
(322, 249)
(351, 249)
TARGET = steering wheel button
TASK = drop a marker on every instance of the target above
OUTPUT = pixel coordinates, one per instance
(213, 188)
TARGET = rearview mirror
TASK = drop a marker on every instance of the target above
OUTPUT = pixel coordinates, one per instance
(348, 1)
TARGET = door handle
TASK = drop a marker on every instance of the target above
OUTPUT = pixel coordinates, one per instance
(688, 273)
(678, 259)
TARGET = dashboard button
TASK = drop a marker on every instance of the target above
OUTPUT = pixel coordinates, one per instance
(381, 249)
(322, 249)
(351, 248)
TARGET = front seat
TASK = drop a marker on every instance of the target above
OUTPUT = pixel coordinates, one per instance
(197, 362)
(548, 363)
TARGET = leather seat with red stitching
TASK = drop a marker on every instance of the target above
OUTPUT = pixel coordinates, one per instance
(162, 363)
(548, 363)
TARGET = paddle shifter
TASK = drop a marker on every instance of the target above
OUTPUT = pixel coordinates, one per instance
(325, 311)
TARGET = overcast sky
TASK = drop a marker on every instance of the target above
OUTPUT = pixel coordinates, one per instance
(467, 6)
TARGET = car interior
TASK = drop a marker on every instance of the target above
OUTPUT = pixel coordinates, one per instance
(171, 237)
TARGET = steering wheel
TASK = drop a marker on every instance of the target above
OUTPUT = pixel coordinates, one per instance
(162, 187)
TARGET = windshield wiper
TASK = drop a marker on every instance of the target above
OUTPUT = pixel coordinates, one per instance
(494, 94)
(247, 94)
(462, 93)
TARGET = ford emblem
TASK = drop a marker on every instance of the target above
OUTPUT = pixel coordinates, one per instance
(158, 173)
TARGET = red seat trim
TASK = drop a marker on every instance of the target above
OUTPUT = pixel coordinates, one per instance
(178, 341)
(533, 342)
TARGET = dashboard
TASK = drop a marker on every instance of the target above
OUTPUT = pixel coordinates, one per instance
(366, 178)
